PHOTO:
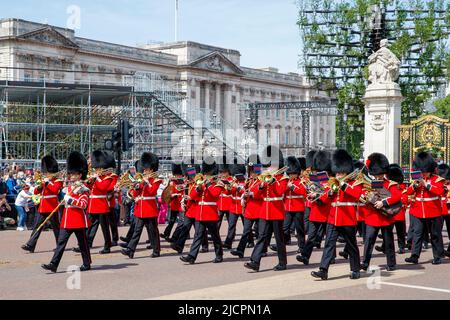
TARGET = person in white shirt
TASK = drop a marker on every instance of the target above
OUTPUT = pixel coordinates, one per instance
(22, 203)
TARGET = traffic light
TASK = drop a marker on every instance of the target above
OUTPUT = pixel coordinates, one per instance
(126, 135)
(116, 140)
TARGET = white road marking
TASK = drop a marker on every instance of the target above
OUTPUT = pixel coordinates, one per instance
(414, 287)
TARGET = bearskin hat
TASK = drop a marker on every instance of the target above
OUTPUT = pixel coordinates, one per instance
(274, 157)
(238, 170)
(443, 170)
(321, 161)
(251, 161)
(77, 163)
(176, 169)
(395, 173)
(209, 166)
(377, 164)
(341, 161)
(309, 158)
(110, 159)
(424, 162)
(138, 166)
(99, 160)
(49, 164)
(293, 165)
(149, 161)
(302, 161)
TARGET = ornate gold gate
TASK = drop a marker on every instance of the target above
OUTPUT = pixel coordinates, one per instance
(428, 133)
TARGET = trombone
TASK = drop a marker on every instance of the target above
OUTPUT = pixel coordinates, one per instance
(335, 183)
(269, 175)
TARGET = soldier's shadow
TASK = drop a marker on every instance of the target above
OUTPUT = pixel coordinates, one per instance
(113, 266)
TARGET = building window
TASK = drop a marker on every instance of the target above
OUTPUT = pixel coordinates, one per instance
(233, 99)
(267, 113)
(27, 77)
(286, 138)
(297, 138)
(277, 114)
(287, 114)
(267, 136)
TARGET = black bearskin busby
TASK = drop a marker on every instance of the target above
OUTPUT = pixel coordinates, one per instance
(149, 161)
(176, 169)
(138, 166)
(321, 161)
(424, 162)
(309, 158)
(341, 161)
(293, 165)
(77, 163)
(377, 164)
(110, 160)
(99, 160)
(302, 161)
(49, 165)
(395, 173)
(209, 166)
(443, 170)
(238, 170)
(251, 161)
(274, 157)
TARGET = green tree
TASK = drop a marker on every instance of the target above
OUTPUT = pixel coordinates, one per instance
(442, 107)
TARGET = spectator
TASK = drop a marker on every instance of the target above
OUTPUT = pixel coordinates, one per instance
(11, 184)
(22, 206)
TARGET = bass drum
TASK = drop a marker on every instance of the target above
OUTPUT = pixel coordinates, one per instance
(166, 195)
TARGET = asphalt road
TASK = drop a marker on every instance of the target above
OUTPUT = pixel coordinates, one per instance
(115, 276)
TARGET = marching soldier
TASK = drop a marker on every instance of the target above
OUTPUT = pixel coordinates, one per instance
(375, 220)
(427, 208)
(146, 208)
(343, 196)
(446, 209)
(225, 198)
(74, 218)
(252, 205)
(177, 186)
(271, 190)
(319, 209)
(308, 160)
(49, 190)
(113, 221)
(206, 194)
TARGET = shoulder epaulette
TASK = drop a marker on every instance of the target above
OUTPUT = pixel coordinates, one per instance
(284, 178)
(439, 178)
(392, 183)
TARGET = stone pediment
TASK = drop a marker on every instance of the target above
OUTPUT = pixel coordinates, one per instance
(50, 36)
(215, 61)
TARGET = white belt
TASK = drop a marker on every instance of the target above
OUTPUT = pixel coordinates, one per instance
(145, 198)
(343, 204)
(236, 198)
(427, 199)
(203, 203)
(225, 195)
(97, 197)
(294, 197)
(49, 197)
(273, 199)
(71, 207)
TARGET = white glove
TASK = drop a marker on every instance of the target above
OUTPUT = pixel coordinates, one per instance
(46, 180)
(67, 198)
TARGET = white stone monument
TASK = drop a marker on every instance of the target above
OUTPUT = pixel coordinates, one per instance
(383, 104)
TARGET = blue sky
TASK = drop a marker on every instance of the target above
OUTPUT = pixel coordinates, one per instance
(264, 31)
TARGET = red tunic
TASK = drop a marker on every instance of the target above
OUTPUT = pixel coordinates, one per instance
(428, 203)
(320, 208)
(206, 198)
(74, 215)
(191, 205)
(98, 201)
(252, 205)
(272, 205)
(401, 216)
(145, 199)
(294, 198)
(224, 202)
(49, 192)
(374, 217)
(177, 195)
(343, 205)
(237, 192)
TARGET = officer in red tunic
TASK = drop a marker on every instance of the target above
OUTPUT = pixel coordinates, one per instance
(308, 161)
(375, 220)
(49, 190)
(342, 217)
(98, 207)
(319, 209)
(225, 197)
(146, 208)
(74, 218)
(206, 195)
(176, 185)
(113, 220)
(271, 191)
(252, 205)
(427, 208)
(237, 189)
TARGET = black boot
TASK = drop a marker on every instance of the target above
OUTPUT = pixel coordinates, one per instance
(124, 239)
(51, 267)
(355, 275)
(127, 252)
(189, 259)
(237, 253)
(322, 274)
(379, 248)
(252, 265)
(85, 267)
(273, 247)
(27, 248)
(412, 259)
(343, 254)
(302, 259)
(280, 267)
(105, 251)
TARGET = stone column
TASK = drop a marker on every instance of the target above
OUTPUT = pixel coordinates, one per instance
(217, 106)
(235, 117)
(197, 94)
(207, 106)
(227, 105)
(382, 116)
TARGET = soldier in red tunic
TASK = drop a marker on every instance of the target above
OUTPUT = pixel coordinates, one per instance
(205, 195)
(113, 220)
(271, 190)
(251, 205)
(308, 163)
(444, 171)
(100, 184)
(319, 209)
(176, 185)
(342, 217)
(375, 220)
(74, 218)
(427, 208)
(146, 208)
(225, 197)
(49, 191)
(237, 189)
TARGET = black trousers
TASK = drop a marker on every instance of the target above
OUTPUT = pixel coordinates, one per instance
(201, 228)
(306, 217)
(435, 228)
(265, 230)
(410, 236)
(388, 240)
(232, 222)
(36, 234)
(361, 227)
(315, 234)
(183, 233)
(298, 218)
(447, 225)
(246, 233)
(103, 221)
(172, 219)
(351, 247)
(113, 224)
(221, 215)
(151, 224)
(64, 236)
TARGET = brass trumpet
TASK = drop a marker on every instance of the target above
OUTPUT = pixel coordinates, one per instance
(269, 175)
(335, 183)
